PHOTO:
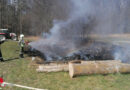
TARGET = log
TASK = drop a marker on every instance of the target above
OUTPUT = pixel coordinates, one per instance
(97, 67)
(53, 68)
(107, 61)
(56, 67)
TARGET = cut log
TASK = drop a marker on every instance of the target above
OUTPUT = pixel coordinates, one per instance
(56, 67)
(97, 67)
(53, 68)
(107, 61)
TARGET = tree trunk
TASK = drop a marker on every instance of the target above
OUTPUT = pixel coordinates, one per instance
(53, 68)
(97, 67)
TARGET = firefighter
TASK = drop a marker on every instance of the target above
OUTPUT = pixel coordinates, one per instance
(1, 58)
(21, 44)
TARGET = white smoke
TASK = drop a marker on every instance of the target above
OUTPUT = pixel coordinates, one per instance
(86, 17)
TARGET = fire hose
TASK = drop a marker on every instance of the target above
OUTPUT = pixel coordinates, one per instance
(21, 86)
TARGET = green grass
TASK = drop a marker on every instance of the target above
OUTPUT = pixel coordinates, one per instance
(17, 71)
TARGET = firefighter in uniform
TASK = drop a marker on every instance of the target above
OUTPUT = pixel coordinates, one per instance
(21, 44)
(1, 58)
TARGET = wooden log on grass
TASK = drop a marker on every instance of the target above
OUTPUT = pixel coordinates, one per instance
(56, 67)
(97, 67)
(53, 68)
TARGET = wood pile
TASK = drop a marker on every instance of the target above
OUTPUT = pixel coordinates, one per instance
(77, 68)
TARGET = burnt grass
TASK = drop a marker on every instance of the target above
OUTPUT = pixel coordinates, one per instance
(93, 51)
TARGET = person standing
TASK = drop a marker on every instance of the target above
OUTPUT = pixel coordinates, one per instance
(21, 44)
(1, 58)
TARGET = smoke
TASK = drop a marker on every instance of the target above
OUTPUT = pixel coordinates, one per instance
(86, 17)
(122, 53)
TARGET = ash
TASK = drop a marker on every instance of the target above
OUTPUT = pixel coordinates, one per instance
(93, 51)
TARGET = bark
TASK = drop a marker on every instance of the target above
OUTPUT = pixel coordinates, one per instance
(97, 67)
(53, 68)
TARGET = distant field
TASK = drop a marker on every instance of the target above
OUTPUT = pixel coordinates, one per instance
(18, 71)
(32, 38)
(117, 39)
(112, 35)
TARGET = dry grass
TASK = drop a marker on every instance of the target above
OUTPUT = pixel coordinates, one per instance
(120, 35)
(32, 38)
(111, 35)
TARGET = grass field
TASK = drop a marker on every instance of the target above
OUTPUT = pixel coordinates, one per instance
(16, 71)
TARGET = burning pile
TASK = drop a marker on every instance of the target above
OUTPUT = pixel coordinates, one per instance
(93, 51)
(69, 39)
